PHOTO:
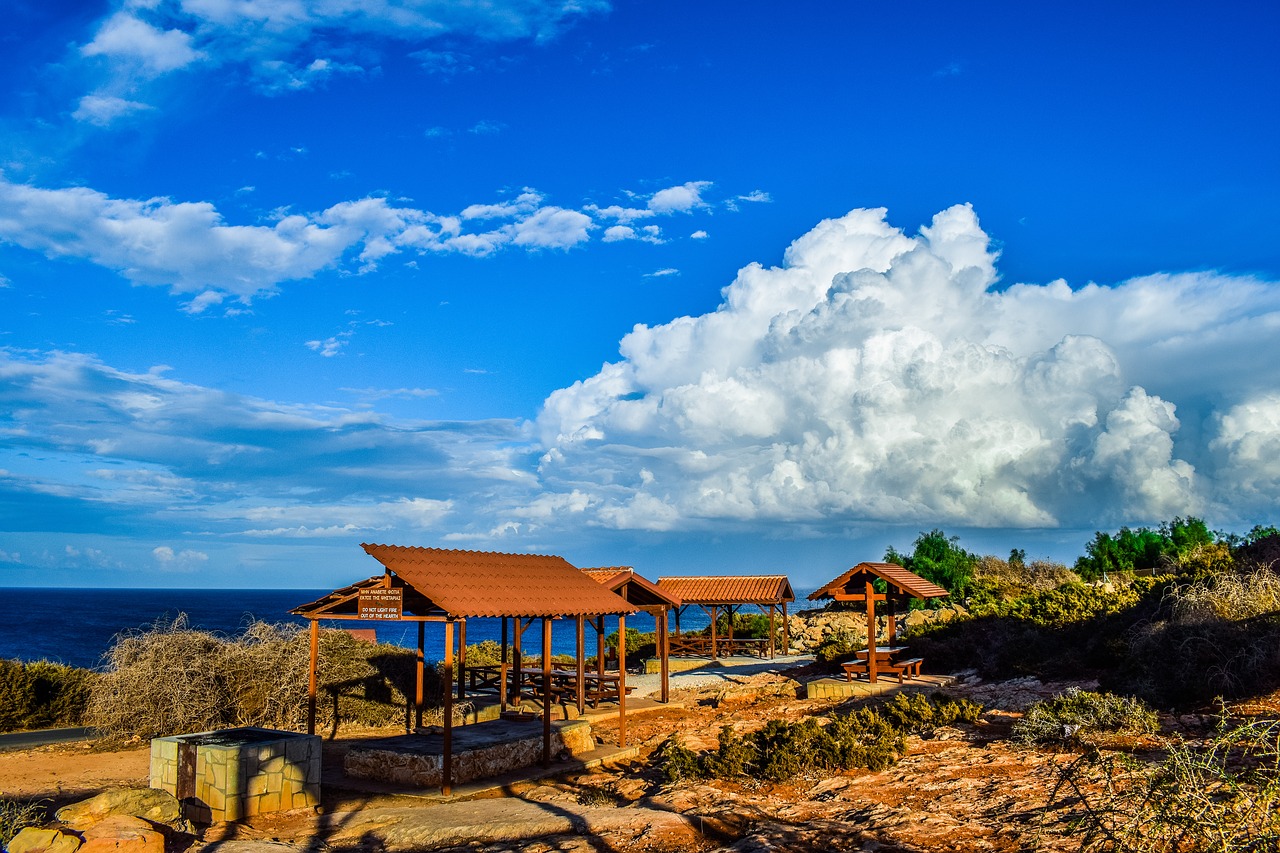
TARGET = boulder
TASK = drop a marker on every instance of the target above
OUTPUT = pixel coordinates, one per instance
(32, 840)
(150, 803)
(122, 834)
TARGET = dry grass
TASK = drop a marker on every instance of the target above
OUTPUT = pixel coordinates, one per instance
(1227, 596)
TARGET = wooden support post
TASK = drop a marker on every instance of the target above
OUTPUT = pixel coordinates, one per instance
(546, 691)
(419, 668)
(312, 677)
(664, 651)
(714, 619)
(772, 616)
(600, 645)
(622, 681)
(517, 661)
(446, 779)
(502, 670)
(871, 633)
(462, 659)
(581, 628)
(786, 631)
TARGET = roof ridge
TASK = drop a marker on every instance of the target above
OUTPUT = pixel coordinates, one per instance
(367, 545)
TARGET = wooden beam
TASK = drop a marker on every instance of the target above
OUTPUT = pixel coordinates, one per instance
(622, 681)
(446, 786)
(312, 678)
(419, 668)
(546, 691)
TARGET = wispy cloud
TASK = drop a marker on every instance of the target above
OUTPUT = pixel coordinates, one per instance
(282, 47)
(191, 248)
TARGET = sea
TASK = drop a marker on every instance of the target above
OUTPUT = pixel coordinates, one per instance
(79, 626)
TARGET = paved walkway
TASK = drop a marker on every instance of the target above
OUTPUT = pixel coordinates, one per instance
(726, 670)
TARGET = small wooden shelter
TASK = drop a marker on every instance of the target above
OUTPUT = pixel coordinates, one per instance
(645, 596)
(859, 584)
(436, 585)
(730, 593)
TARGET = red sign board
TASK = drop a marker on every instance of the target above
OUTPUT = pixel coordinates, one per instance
(381, 603)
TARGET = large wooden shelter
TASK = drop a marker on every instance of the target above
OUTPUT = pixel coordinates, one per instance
(730, 593)
(437, 585)
(645, 596)
(859, 585)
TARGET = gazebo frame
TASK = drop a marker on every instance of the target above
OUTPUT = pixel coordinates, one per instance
(648, 597)
(731, 593)
(859, 585)
(437, 585)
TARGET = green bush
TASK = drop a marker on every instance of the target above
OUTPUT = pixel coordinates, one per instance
(1078, 714)
(780, 750)
(836, 646)
(42, 694)
(915, 713)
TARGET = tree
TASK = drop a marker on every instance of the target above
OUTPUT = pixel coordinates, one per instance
(937, 558)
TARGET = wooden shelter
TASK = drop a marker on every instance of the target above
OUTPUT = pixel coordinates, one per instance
(645, 596)
(730, 593)
(859, 584)
(436, 585)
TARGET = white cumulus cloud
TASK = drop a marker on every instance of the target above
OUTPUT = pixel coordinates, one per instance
(886, 377)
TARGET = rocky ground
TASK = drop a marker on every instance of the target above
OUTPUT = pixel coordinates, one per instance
(961, 788)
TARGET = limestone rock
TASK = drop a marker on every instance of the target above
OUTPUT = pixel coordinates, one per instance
(122, 834)
(150, 803)
(32, 840)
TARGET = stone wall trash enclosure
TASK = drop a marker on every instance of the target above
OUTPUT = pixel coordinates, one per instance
(231, 774)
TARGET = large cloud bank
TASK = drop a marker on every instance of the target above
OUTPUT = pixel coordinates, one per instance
(884, 377)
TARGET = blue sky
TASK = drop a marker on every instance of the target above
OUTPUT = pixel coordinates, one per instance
(697, 288)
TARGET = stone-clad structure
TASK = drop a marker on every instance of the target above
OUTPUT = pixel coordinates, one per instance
(235, 773)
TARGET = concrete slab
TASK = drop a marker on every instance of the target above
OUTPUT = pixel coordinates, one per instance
(836, 687)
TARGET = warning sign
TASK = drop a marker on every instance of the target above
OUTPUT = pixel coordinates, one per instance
(381, 603)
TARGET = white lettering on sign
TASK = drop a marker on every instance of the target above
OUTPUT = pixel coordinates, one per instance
(381, 603)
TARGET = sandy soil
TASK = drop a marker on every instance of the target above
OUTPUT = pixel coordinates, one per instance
(962, 788)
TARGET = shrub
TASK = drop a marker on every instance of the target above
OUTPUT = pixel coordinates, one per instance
(171, 679)
(915, 713)
(1079, 714)
(42, 694)
(16, 816)
(1219, 797)
(781, 749)
(836, 646)
(676, 761)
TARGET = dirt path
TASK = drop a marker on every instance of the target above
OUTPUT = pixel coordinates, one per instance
(963, 788)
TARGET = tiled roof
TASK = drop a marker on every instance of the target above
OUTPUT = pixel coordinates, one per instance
(484, 583)
(639, 589)
(907, 582)
(730, 589)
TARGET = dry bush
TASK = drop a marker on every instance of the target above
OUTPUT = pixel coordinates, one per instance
(1227, 596)
(171, 679)
(1220, 796)
(1014, 580)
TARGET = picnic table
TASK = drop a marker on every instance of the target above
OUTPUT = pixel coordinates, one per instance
(699, 645)
(596, 687)
(889, 659)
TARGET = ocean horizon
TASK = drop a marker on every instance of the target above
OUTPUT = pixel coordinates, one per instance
(78, 626)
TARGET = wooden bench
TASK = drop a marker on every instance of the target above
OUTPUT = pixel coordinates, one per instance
(903, 668)
(850, 667)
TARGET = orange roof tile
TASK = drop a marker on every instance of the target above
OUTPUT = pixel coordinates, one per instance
(633, 586)
(906, 582)
(485, 583)
(729, 589)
